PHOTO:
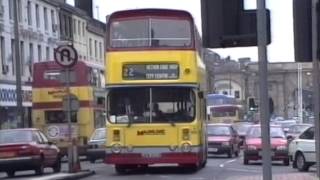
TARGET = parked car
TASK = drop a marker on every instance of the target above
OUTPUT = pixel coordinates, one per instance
(242, 128)
(253, 145)
(222, 139)
(285, 124)
(96, 144)
(295, 130)
(27, 149)
(302, 150)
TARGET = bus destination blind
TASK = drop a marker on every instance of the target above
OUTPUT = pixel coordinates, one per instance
(150, 71)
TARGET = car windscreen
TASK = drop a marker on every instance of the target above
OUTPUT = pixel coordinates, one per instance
(151, 105)
(275, 132)
(99, 134)
(218, 131)
(15, 136)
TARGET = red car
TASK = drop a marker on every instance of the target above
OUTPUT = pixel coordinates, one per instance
(27, 149)
(253, 145)
(222, 139)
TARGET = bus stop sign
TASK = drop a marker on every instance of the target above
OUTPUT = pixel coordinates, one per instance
(66, 56)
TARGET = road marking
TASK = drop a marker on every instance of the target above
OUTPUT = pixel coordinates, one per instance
(244, 170)
(227, 162)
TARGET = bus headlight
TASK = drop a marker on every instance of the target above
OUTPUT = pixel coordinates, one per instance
(185, 147)
(173, 148)
(226, 143)
(116, 148)
(129, 148)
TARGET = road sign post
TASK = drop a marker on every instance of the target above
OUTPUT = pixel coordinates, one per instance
(66, 56)
(263, 78)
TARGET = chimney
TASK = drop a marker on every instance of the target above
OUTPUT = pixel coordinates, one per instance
(85, 5)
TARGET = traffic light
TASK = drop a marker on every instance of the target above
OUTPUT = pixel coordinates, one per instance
(225, 23)
(252, 105)
(302, 29)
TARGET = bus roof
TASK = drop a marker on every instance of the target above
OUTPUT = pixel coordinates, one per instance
(40, 68)
(151, 12)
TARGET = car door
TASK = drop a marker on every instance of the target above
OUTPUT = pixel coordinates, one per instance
(50, 149)
(306, 144)
(40, 144)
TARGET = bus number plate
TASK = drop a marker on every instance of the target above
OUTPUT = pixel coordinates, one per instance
(147, 155)
(150, 71)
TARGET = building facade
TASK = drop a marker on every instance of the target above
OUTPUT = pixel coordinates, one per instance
(38, 35)
(43, 25)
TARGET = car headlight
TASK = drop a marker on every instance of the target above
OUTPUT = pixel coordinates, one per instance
(185, 147)
(227, 143)
(116, 148)
(282, 148)
(250, 147)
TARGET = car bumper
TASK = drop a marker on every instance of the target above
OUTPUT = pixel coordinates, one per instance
(19, 163)
(275, 155)
(96, 153)
(165, 158)
(219, 149)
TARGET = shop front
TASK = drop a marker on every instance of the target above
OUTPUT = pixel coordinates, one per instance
(8, 106)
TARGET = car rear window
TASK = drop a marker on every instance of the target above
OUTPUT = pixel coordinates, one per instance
(12, 136)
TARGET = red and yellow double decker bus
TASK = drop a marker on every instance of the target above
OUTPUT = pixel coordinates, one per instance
(48, 90)
(155, 82)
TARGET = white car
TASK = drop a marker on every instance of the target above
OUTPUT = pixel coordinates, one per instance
(302, 150)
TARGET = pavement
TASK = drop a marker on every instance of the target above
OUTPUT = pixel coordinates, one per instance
(66, 176)
(293, 176)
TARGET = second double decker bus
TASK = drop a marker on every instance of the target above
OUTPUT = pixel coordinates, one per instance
(48, 114)
(155, 82)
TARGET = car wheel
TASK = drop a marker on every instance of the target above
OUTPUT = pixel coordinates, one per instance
(40, 168)
(245, 160)
(236, 153)
(286, 162)
(57, 166)
(120, 169)
(10, 173)
(230, 153)
(301, 162)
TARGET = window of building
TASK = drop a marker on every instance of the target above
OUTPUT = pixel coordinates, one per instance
(47, 53)
(37, 16)
(3, 56)
(100, 50)
(19, 10)
(83, 28)
(79, 28)
(30, 57)
(70, 26)
(74, 27)
(66, 25)
(53, 21)
(13, 52)
(39, 53)
(95, 49)
(90, 47)
(10, 9)
(22, 59)
(29, 13)
(45, 12)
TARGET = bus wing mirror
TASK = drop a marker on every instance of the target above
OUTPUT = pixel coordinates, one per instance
(200, 94)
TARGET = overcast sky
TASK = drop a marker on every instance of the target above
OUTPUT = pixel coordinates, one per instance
(281, 48)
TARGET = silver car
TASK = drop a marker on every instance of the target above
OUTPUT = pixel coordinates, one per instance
(96, 144)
